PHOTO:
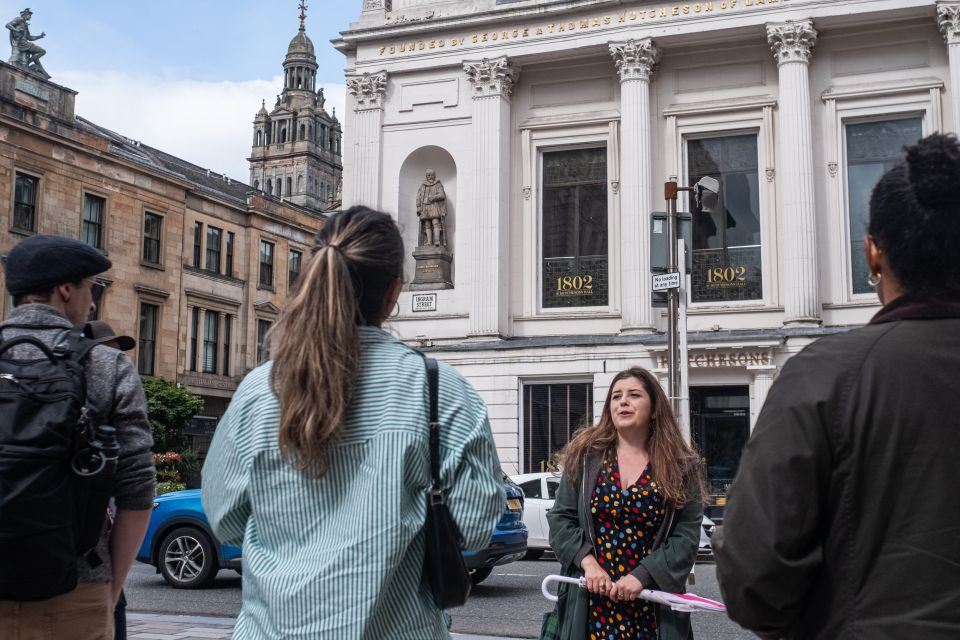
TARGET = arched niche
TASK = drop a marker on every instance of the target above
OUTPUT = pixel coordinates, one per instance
(412, 175)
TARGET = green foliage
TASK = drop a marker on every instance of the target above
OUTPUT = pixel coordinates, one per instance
(169, 408)
(167, 487)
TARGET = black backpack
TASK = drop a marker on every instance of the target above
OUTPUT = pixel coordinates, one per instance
(56, 468)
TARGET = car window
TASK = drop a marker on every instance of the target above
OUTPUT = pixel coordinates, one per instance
(531, 489)
(552, 485)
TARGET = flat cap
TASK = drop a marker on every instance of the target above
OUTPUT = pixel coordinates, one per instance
(41, 262)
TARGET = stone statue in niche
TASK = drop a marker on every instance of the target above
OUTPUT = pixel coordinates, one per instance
(23, 53)
(433, 257)
(432, 211)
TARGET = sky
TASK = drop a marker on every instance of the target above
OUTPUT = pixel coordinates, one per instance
(184, 76)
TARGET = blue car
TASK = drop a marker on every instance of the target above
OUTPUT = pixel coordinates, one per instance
(509, 541)
(180, 544)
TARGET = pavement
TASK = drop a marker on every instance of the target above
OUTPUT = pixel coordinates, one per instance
(157, 626)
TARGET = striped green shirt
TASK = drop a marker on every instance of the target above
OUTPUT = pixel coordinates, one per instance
(341, 556)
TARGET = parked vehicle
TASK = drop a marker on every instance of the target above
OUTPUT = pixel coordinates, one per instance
(181, 546)
(509, 541)
(540, 489)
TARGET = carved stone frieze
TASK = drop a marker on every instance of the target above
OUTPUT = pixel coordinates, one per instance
(635, 59)
(948, 17)
(374, 5)
(792, 41)
(491, 77)
(368, 90)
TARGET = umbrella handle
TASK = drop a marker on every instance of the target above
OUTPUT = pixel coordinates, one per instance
(545, 587)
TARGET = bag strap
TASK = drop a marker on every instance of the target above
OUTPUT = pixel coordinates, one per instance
(433, 377)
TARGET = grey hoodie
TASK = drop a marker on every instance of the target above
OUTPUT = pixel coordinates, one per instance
(115, 391)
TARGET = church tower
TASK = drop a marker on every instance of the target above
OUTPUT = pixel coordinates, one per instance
(297, 145)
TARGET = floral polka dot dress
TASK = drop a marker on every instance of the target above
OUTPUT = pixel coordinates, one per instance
(625, 522)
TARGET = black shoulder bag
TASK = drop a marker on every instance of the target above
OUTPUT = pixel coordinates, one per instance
(443, 561)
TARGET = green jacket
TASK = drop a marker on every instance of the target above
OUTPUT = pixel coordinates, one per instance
(666, 569)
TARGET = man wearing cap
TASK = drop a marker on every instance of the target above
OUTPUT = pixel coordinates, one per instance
(51, 280)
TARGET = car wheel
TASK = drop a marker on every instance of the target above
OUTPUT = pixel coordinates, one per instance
(533, 554)
(481, 574)
(187, 559)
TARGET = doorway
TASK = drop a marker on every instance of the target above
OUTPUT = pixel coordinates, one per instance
(720, 421)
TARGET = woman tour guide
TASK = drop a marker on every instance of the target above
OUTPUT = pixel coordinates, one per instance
(627, 517)
(320, 466)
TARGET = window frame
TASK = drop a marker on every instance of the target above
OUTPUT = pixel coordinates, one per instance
(291, 277)
(198, 244)
(706, 120)
(230, 248)
(213, 345)
(102, 235)
(215, 253)
(261, 283)
(142, 349)
(261, 347)
(159, 240)
(586, 380)
(857, 105)
(536, 140)
(37, 197)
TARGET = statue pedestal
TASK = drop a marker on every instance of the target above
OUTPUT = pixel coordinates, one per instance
(433, 268)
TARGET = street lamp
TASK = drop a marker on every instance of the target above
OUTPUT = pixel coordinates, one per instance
(706, 193)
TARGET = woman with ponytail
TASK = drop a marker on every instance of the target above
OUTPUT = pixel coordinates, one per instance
(843, 520)
(320, 466)
(627, 516)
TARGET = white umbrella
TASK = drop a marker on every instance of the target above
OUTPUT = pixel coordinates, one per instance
(677, 601)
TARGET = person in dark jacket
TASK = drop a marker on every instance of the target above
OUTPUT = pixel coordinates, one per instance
(844, 521)
(627, 516)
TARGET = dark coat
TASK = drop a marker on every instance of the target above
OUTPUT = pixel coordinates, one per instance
(666, 569)
(844, 518)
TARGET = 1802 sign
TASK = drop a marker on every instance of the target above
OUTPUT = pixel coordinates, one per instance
(575, 285)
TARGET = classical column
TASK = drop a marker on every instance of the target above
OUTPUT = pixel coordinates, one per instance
(492, 85)
(635, 61)
(369, 91)
(762, 381)
(792, 43)
(948, 15)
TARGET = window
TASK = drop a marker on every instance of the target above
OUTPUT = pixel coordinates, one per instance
(25, 203)
(266, 263)
(532, 489)
(211, 326)
(551, 413)
(213, 249)
(727, 257)
(197, 243)
(97, 290)
(91, 229)
(146, 353)
(873, 148)
(228, 269)
(263, 350)
(575, 262)
(152, 226)
(296, 259)
(289, 186)
(194, 337)
(226, 344)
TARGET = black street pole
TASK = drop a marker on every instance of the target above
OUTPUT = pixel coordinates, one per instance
(673, 297)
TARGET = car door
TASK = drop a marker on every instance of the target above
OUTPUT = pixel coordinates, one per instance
(550, 486)
(533, 513)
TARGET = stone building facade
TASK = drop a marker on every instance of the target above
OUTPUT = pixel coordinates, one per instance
(554, 125)
(297, 145)
(202, 264)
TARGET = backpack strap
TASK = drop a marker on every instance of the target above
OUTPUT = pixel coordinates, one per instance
(76, 346)
(433, 375)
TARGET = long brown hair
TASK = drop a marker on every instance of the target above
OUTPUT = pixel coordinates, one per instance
(671, 458)
(357, 257)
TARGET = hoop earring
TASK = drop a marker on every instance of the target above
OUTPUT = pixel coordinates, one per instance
(396, 312)
(874, 279)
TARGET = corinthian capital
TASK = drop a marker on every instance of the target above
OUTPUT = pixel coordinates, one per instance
(495, 77)
(368, 90)
(948, 16)
(792, 41)
(635, 59)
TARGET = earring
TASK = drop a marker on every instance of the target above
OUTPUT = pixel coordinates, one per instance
(396, 311)
(874, 279)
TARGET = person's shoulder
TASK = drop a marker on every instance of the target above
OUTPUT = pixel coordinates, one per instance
(844, 350)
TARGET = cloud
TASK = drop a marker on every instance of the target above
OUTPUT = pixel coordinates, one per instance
(207, 123)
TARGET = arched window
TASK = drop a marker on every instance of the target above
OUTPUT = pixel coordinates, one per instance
(289, 186)
(279, 187)
(300, 184)
(269, 187)
(256, 184)
(259, 137)
(283, 135)
(303, 132)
